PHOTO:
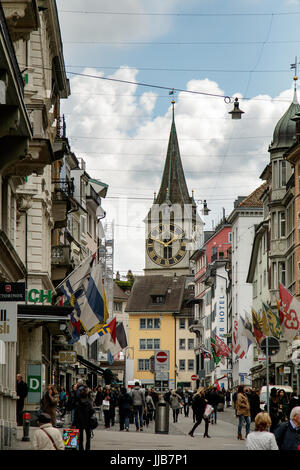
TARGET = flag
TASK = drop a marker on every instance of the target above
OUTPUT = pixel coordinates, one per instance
(103, 330)
(248, 328)
(273, 322)
(289, 313)
(106, 312)
(221, 348)
(213, 350)
(240, 342)
(257, 327)
(73, 289)
(206, 354)
(92, 313)
(115, 341)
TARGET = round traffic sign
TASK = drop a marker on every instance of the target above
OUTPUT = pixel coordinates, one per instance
(161, 356)
(194, 377)
(273, 345)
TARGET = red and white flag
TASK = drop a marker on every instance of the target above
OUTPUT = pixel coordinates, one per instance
(240, 341)
(289, 313)
(221, 348)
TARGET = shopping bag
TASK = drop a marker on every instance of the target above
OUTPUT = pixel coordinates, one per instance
(105, 405)
(208, 411)
(71, 438)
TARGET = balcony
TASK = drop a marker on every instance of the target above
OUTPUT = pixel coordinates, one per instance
(60, 255)
(62, 193)
(61, 263)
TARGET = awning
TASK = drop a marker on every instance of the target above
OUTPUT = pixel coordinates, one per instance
(52, 316)
(90, 365)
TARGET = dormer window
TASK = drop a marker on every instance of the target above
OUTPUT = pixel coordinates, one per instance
(158, 299)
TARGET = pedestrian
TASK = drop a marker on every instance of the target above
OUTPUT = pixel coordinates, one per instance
(62, 401)
(22, 392)
(50, 401)
(254, 401)
(213, 400)
(71, 403)
(108, 406)
(139, 404)
(228, 397)
(261, 438)
(124, 403)
(288, 434)
(83, 412)
(283, 404)
(187, 399)
(243, 411)
(274, 408)
(47, 437)
(294, 401)
(154, 396)
(150, 408)
(199, 403)
(175, 403)
(234, 399)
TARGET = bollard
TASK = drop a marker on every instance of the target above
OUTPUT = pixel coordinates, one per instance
(26, 426)
(162, 417)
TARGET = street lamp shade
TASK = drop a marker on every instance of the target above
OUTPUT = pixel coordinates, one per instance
(236, 113)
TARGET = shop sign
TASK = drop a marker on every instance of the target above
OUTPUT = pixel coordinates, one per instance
(67, 356)
(35, 295)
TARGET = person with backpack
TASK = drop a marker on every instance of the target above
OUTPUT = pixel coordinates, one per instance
(287, 434)
(198, 404)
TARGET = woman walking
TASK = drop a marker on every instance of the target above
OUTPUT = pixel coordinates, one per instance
(83, 412)
(260, 438)
(198, 405)
(242, 411)
(175, 400)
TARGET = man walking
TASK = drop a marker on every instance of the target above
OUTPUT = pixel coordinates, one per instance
(22, 392)
(139, 405)
(287, 434)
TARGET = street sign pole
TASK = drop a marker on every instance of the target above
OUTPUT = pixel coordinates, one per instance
(267, 370)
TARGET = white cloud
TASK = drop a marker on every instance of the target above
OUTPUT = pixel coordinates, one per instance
(126, 147)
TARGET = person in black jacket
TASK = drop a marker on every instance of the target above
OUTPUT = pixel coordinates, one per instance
(294, 401)
(124, 403)
(213, 400)
(22, 392)
(198, 405)
(287, 434)
(83, 412)
(274, 409)
(254, 401)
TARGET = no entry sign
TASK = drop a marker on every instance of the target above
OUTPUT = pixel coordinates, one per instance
(194, 377)
(162, 360)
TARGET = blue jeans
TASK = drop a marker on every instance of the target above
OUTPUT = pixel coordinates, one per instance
(247, 421)
(138, 415)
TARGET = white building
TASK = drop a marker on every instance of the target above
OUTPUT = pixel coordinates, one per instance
(247, 214)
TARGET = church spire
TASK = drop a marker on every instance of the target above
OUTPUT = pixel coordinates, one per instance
(173, 188)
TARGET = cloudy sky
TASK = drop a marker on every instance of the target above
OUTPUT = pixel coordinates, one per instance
(123, 57)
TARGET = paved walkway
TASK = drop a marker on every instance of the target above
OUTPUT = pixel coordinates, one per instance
(223, 436)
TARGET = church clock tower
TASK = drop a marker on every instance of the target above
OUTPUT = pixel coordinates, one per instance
(172, 224)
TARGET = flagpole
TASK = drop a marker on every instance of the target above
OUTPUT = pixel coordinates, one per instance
(267, 368)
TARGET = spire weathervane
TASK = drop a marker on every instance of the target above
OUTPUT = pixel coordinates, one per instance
(294, 66)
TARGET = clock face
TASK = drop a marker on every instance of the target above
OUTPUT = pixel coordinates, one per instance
(165, 245)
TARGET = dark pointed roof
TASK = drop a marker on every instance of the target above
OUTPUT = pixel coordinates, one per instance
(173, 185)
(285, 130)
